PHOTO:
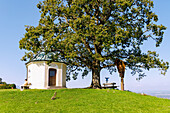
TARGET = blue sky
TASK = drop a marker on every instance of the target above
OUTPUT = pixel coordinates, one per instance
(17, 13)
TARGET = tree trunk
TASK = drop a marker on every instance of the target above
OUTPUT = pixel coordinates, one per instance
(95, 84)
(122, 83)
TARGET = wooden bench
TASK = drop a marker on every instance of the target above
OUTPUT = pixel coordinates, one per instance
(25, 86)
(109, 85)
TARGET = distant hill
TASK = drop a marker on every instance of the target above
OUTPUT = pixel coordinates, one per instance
(80, 100)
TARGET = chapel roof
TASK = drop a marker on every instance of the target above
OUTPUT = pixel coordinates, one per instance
(43, 56)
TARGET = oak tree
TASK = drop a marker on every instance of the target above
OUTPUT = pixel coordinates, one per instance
(90, 34)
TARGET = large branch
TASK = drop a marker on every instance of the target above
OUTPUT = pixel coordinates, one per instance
(110, 65)
(87, 45)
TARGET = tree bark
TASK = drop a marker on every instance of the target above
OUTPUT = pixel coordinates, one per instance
(95, 84)
(122, 83)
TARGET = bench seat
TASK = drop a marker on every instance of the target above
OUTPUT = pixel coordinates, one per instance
(25, 86)
(109, 85)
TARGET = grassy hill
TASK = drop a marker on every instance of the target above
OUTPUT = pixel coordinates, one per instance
(80, 100)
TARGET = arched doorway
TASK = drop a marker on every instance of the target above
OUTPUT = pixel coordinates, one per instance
(52, 77)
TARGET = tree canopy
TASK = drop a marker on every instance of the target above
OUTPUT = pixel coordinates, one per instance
(90, 34)
(0, 80)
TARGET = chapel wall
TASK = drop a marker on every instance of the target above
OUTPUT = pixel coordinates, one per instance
(36, 75)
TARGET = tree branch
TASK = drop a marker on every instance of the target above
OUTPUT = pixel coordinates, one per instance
(110, 65)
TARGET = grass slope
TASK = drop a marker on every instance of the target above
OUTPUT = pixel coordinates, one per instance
(80, 100)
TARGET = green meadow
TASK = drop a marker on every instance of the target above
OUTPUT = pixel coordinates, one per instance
(80, 101)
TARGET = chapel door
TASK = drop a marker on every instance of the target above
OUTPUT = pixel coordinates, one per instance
(52, 77)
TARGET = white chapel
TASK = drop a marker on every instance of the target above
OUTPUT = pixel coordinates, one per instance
(46, 76)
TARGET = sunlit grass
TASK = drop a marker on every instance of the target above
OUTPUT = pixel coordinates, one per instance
(80, 100)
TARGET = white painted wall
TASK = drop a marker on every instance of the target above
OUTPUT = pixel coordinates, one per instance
(36, 75)
(64, 75)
